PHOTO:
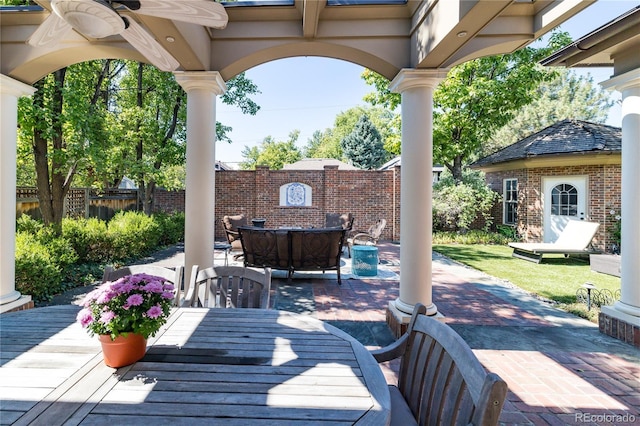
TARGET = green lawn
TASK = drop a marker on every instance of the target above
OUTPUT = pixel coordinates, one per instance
(556, 277)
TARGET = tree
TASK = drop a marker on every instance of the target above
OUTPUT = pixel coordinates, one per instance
(568, 96)
(272, 153)
(477, 98)
(97, 121)
(238, 90)
(457, 205)
(322, 145)
(363, 146)
(57, 122)
(327, 144)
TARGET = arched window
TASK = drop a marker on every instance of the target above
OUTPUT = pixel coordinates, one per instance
(564, 200)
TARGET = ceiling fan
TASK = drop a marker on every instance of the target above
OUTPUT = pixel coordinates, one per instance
(100, 18)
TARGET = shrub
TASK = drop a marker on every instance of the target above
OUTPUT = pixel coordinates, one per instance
(26, 223)
(457, 205)
(89, 238)
(510, 232)
(171, 226)
(77, 257)
(133, 235)
(37, 271)
(470, 237)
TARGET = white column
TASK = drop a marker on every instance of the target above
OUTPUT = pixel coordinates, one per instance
(628, 307)
(10, 91)
(416, 88)
(202, 89)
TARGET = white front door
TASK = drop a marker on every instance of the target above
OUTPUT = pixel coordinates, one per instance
(565, 199)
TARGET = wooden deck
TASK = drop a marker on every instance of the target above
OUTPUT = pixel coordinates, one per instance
(213, 366)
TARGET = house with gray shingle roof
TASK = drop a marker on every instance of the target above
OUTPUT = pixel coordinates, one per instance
(570, 170)
(318, 164)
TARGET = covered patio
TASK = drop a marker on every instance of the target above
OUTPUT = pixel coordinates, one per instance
(559, 368)
(413, 43)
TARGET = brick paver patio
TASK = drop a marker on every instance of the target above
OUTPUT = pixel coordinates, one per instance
(553, 380)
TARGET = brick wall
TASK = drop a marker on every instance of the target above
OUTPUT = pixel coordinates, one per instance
(604, 195)
(368, 194)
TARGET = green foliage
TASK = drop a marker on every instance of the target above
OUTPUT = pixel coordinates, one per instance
(363, 146)
(456, 206)
(89, 238)
(473, 236)
(15, 2)
(43, 259)
(382, 95)
(272, 153)
(580, 310)
(172, 227)
(510, 232)
(75, 258)
(327, 144)
(567, 96)
(323, 145)
(94, 122)
(26, 223)
(617, 232)
(477, 98)
(82, 274)
(39, 273)
(133, 235)
(238, 90)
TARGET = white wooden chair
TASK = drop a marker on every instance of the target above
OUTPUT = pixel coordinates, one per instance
(441, 381)
(369, 238)
(229, 287)
(170, 275)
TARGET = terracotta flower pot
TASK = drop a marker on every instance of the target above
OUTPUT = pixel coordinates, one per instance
(124, 350)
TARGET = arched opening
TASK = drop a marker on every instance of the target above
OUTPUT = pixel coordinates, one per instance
(303, 94)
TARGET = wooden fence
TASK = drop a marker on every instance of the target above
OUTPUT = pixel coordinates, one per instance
(81, 202)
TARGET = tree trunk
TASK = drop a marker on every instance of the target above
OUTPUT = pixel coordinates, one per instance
(142, 187)
(148, 198)
(456, 170)
(40, 154)
(54, 179)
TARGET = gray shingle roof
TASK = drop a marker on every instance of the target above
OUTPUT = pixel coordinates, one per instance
(563, 137)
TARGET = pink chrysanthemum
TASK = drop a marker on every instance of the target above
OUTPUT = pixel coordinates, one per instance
(107, 316)
(105, 297)
(154, 312)
(122, 306)
(85, 317)
(153, 287)
(135, 300)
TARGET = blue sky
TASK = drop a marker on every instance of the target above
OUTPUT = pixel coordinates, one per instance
(307, 93)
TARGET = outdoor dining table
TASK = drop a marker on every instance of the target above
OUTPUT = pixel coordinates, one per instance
(211, 366)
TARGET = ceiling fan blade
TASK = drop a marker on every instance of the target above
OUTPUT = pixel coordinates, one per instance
(201, 12)
(139, 38)
(52, 29)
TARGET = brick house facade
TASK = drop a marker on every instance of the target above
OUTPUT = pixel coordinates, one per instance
(368, 194)
(568, 149)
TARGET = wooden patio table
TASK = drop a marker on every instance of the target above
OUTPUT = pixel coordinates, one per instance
(211, 366)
